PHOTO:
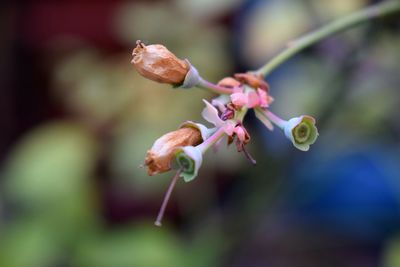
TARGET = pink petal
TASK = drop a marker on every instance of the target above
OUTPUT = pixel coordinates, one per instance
(238, 89)
(228, 128)
(239, 99)
(252, 99)
(240, 133)
(263, 98)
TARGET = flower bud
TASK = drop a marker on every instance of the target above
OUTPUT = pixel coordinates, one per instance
(189, 159)
(157, 63)
(158, 158)
(255, 81)
(301, 131)
(229, 82)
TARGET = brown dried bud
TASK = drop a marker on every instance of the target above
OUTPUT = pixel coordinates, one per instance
(158, 158)
(229, 82)
(157, 63)
(254, 80)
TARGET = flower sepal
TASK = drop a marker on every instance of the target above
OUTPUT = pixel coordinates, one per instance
(301, 131)
(188, 159)
(205, 132)
(192, 77)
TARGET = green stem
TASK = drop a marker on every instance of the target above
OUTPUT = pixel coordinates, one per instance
(274, 118)
(241, 114)
(166, 198)
(211, 140)
(341, 24)
(214, 88)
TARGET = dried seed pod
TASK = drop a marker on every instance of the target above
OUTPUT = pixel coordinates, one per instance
(157, 63)
(158, 158)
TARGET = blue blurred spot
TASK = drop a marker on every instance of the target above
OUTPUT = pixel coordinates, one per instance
(356, 193)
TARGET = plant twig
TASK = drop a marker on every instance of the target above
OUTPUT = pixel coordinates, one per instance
(166, 199)
(341, 24)
(213, 87)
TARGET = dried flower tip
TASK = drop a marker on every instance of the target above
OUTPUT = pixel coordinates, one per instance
(157, 63)
(229, 82)
(158, 158)
(254, 80)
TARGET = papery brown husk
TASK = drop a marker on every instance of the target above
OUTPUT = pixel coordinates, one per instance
(157, 63)
(159, 157)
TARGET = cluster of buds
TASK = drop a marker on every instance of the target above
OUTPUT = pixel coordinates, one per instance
(183, 149)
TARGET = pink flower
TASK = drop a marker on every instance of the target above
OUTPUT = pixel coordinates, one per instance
(240, 133)
(239, 99)
(263, 97)
(251, 98)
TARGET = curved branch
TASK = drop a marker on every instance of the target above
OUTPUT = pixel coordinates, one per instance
(341, 24)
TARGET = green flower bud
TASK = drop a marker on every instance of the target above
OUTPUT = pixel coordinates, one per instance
(301, 131)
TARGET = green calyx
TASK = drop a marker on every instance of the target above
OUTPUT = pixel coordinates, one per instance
(302, 132)
(186, 164)
(188, 160)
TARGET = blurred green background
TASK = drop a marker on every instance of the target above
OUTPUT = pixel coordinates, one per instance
(76, 122)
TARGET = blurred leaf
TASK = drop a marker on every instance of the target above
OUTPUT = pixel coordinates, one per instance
(95, 89)
(27, 244)
(391, 254)
(139, 246)
(208, 245)
(269, 25)
(50, 165)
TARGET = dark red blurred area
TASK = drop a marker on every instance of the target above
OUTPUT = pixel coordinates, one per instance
(46, 20)
(28, 29)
